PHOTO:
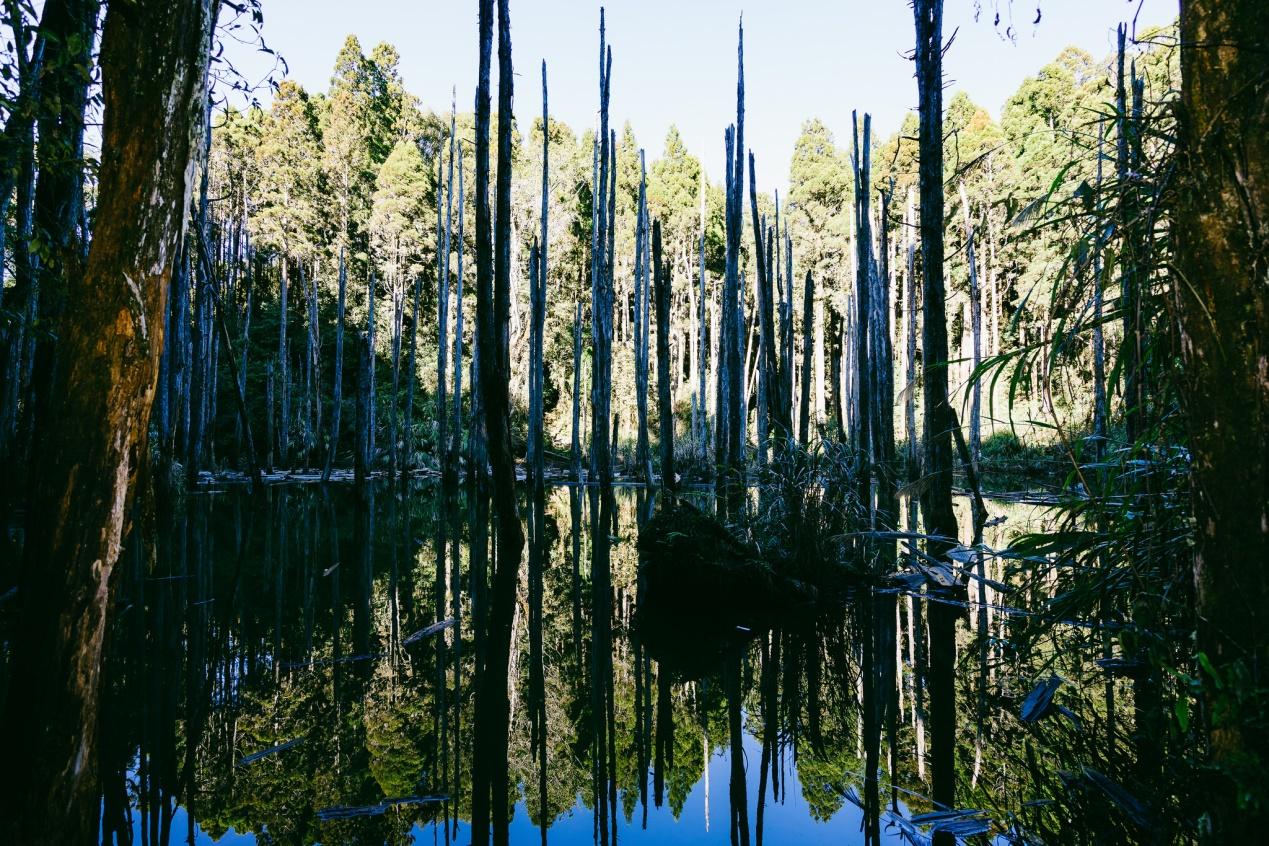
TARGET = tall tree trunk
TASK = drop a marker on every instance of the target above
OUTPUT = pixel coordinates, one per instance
(909, 404)
(284, 370)
(808, 332)
(17, 171)
(642, 451)
(861, 349)
(976, 328)
(337, 399)
(936, 501)
(665, 407)
(733, 293)
(154, 59)
(1223, 254)
(68, 28)
(576, 451)
(442, 311)
(601, 291)
(702, 436)
(371, 402)
(493, 286)
(539, 310)
(457, 436)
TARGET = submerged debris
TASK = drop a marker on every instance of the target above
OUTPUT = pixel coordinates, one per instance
(439, 626)
(344, 812)
(272, 750)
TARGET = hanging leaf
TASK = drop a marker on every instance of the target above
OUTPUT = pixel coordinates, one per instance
(1040, 699)
(1125, 801)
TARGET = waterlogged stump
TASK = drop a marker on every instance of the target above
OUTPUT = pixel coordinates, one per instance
(690, 562)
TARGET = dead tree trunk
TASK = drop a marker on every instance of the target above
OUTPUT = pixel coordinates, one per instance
(154, 58)
(733, 294)
(284, 373)
(808, 331)
(457, 436)
(337, 399)
(493, 286)
(442, 307)
(937, 500)
(361, 459)
(643, 457)
(370, 372)
(864, 392)
(976, 328)
(601, 314)
(909, 392)
(1099, 340)
(538, 313)
(702, 423)
(576, 452)
(665, 408)
(533, 449)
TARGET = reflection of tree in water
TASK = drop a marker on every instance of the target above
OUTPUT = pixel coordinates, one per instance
(296, 619)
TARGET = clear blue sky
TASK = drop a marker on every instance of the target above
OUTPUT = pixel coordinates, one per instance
(674, 61)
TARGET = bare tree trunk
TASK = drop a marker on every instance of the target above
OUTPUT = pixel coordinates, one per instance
(457, 437)
(1099, 341)
(642, 450)
(863, 388)
(337, 399)
(398, 320)
(702, 430)
(601, 291)
(533, 445)
(976, 324)
(733, 293)
(909, 405)
(882, 405)
(808, 344)
(370, 372)
(154, 59)
(936, 501)
(442, 309)
(665, 407)
(361, 461)
(539, 307)
(577, 396)
(493, 286)
(284, 374)
(315, 368)
(1223, 251)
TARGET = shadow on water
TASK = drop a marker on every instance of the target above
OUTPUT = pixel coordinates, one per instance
(303, 664)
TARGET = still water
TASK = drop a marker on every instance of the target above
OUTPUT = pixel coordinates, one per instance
(299, 667)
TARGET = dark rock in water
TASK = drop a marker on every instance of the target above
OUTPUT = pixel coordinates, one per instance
(703, 592)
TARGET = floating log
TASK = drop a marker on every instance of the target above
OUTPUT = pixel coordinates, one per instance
(272, 750)
(344, 812)
(439, 626)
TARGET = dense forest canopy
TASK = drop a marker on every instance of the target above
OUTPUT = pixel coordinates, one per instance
(828, 400)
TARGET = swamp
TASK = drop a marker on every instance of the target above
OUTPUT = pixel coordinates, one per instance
(384, 467)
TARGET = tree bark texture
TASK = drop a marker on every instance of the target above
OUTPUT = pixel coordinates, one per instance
(154, 59)
(1222, 235)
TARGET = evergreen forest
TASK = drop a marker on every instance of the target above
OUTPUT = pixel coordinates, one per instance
(385, 471)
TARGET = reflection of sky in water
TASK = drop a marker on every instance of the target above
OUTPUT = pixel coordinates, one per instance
(787, 821)
(705, 814)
